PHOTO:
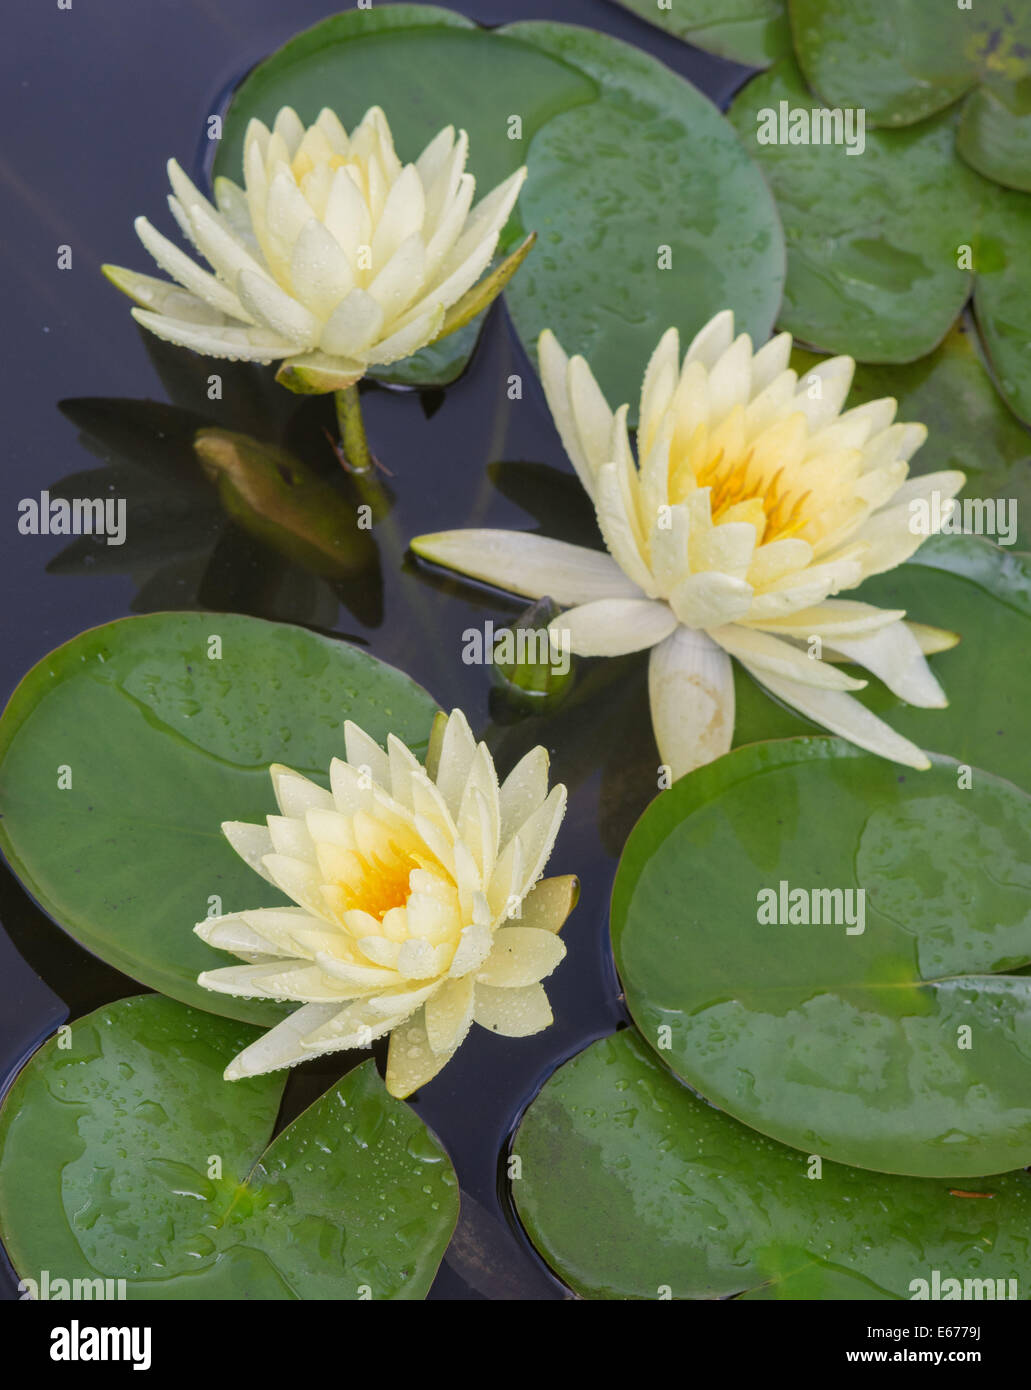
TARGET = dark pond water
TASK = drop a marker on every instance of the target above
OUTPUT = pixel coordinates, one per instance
(96, 97)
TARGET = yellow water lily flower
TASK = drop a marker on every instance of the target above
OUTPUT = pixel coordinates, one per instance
(420, 907)
(752, 501)
(334, 256)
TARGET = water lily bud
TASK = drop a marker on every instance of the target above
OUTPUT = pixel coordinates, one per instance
(532, 662)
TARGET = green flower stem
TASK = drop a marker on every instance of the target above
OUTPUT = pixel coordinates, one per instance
(352, 429)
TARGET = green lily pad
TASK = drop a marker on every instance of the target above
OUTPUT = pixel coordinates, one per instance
(124, 1155)
(614, 141)
(1002, 294)
(994, 135)
(872, 240)
(969, 427)
(123, 751)
(632, 1187)
(879, 1030)
(981, 592)
(754, 32)
(907, 60)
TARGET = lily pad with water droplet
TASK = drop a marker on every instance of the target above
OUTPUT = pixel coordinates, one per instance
(823, 944)
(123, 751)
(125, 1155)
(625, 159)
(979, 591)
(632, 1187)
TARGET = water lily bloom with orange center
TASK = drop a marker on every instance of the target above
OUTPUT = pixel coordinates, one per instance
(334, 256)
(420, 907)
(752, 501)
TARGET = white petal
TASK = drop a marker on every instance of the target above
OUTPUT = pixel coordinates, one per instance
(529, 565)
(514, 1013)
(761, 653)
(844, 715)
(691, 689)
(521, 956)
(893, 654)
(614, 626)
(710, 599)
(281, 1046)
(353, 325)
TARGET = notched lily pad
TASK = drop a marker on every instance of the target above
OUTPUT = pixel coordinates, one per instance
(819, 943)
(123, 751)
(632, 1187)
(124, 1155)
(754, 32)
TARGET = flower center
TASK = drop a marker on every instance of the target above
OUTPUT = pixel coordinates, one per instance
(381, 881)
(772, 504)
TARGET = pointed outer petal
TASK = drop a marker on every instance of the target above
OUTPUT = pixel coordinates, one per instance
(880, 485)
(710, 600)
(415, 334)
(360, 976)
(837, 615)
(474, 946)
(933, 639)
(442, 178)
(468, 878)
(396, 284)
(622, 456)
(186, 191)
(483, 779)
(618, 529)
(430, 919)
(290, 837)
(378, 949)
(657, 388)
(670, 549)
(768, 407)
(888, 538)
(653, 475)
(591, 414)
(295, 795)
(549, 903)
(449, 1014)
(290, 980)
(711, 342)
(162, 298)
(522, 861)
(352, 788)
(290, 931)
(437, 731)
(439, 842)
(897, 442)
(614, 626)
(835, 378)
(232, 204)
(181, 220)
(385, 151)
(299, 881)
(281, 1045)
(554, 365)
(316, 374)
(876, 415)
(945, 483)
(355, 1025)
(845, 716)
(776, 560)
(479, 831)
(200, 283)
(441, 234)
(726, 549)
(527, 564)
(403, 765)
(429, 806)
(480, 235)
(238, 344)
(514, 1013)
(730, 378)
(893, 655)
(760, 652)
(521, 956)
(218, 245)
(402, 1001)
(770, 361)
(347, 215)
(485, 291)
(266, 303)
(523, 792)
(365, 753)
(320, 273)
(421, 960)
(289, 127)
(251, 842)
(810, 586)
(333, 129)
(411, 1062)
(435, 156)
(691, 688)
(457, 751)
(402, 218)
(353, 325)
(231, 932)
